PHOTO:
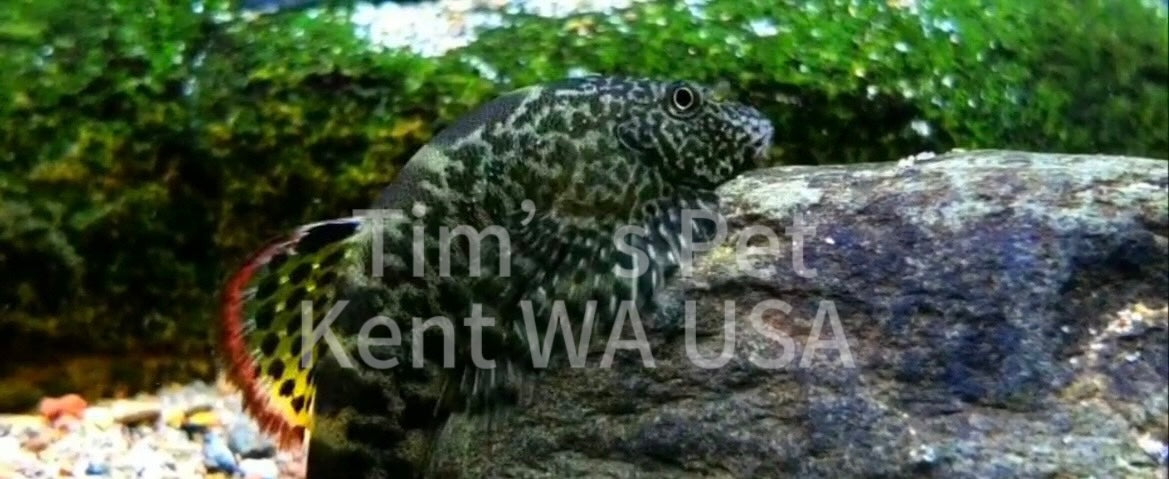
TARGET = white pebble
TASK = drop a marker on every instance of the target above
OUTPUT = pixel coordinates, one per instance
(259, 468)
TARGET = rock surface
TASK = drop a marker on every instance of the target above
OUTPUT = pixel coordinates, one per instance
(1004, 312)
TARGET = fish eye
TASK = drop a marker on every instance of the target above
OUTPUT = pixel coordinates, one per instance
(684, 99)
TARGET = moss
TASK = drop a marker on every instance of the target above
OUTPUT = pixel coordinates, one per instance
(147, 148)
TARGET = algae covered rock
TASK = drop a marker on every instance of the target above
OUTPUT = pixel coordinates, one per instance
(1003, 314)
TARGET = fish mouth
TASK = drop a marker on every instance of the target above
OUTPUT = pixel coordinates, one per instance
(762, 152)
(762, 145)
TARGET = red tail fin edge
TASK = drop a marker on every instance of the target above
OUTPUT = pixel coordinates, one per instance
(240, 365)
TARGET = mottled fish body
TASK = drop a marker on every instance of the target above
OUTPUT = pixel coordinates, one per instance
(529, 191)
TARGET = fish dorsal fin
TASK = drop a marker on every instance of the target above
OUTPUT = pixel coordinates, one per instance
(261, 332)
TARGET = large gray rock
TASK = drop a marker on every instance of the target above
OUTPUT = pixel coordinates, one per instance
(1005, 315)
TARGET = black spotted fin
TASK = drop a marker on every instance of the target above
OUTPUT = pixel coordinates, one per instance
(260, 334)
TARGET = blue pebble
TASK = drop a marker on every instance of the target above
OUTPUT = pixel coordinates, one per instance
(97, 469)
(216, 455)
(246, 440)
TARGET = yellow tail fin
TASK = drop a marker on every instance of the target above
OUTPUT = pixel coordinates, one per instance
(261, 329)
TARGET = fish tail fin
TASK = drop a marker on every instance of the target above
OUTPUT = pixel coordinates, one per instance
(261, 332)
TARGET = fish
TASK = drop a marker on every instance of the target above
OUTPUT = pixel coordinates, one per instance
(358, 336)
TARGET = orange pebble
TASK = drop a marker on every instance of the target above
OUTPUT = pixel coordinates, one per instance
(70, 405)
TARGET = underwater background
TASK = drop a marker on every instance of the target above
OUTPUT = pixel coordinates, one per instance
(147, 147)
